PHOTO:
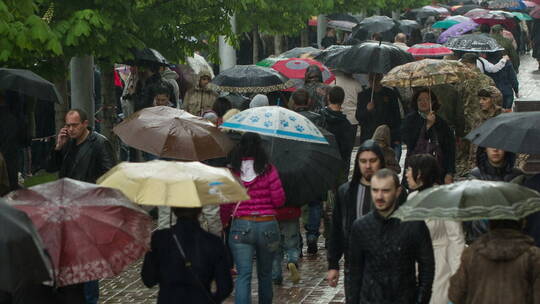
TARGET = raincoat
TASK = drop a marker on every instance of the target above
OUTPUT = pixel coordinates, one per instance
(199, 100)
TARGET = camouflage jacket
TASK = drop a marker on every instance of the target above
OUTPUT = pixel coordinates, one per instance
(469, 96)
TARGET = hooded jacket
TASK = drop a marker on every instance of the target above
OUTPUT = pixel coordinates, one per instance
(345, 209)
(502, 266)
(485, 171)
(337, 123)
(382, 135)
(170, 77)
(199, 100)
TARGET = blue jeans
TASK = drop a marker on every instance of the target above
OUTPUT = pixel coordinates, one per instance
(91, 292)
(248, 239)
(508, 100)
(314, 221)
(290, 245)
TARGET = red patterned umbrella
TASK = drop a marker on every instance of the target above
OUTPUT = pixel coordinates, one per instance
(91, 232)
(429, 50)
(295, 70)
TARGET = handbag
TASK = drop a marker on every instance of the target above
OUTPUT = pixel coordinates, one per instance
(429, 145)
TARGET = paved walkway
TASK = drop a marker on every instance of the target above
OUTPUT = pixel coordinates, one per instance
(312, 289)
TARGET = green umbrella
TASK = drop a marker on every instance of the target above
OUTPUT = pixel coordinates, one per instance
(269, 62)
(445, 24)
(471, 200)
(522, 16)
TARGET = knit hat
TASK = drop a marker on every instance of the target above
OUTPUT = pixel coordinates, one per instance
(259, 100)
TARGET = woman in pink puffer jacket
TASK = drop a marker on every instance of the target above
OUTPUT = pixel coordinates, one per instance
(254, 229)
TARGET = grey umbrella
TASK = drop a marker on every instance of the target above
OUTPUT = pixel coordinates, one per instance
(473, 43)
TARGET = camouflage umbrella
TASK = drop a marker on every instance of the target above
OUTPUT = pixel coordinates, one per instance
(427, 72)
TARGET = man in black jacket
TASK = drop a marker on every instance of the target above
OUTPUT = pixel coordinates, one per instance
(384, 251)
(353, 200)
(83, 155)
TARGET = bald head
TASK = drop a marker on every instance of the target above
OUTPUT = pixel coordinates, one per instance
(400, 38)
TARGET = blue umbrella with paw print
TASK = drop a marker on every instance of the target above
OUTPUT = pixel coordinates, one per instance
(276, 121)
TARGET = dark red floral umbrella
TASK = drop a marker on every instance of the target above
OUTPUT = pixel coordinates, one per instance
(91, 232)
(429, 50)
(295, 70)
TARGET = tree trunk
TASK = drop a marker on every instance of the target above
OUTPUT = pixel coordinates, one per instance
(82, 85)
(109, 105)
(256, 38)
(278, 44)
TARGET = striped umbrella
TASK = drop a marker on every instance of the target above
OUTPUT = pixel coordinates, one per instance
(429, 50)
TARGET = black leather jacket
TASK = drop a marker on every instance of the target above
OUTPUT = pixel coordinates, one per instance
(383, 256)
(92, 159)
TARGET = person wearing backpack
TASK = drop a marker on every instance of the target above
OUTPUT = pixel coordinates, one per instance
(423, 131)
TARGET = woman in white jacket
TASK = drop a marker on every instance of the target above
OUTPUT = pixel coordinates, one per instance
(447, 236)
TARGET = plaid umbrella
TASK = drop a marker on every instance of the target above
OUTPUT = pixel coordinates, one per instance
(429, 50)
(427, 72)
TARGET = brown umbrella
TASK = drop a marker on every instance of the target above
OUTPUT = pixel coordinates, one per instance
(171, 133)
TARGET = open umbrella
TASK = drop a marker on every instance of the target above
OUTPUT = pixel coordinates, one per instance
(424, 12)
(382, 57)
(275, 121)
(342, 25)
(530, 4)
(172, 133)
(515, 132)
(28, 83)
(385, 26)
(22, 254)
(299, 51)
(91, 232)
(458, 18)
(522, 16)
(457, 30)
(251, 79)
(475, 12)
(174, 184)
(198, 64)
(270, 61)
(332, 50)
(466, 8)
(407, 26)
(427, 72)
(473, 43)
(444, 24)
(471, 200)
(147, 57)
(343, 17)
(535, 13)
(507, 4)
(295, 70)
(429, 50)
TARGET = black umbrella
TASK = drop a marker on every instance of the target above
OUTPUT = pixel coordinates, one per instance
(424, 12)
(465, 8)
(251, 79)
(367, 57)
(343, 17)
(407, 26)
(307, 170)
(513, 132)
(28, 83)
(385, 26)
(148, 57)
(473, 43)
(22, 256)
(298, 51)
(331, 51)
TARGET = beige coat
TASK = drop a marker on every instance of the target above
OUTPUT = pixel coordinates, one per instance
(199, 100)
(352, 88)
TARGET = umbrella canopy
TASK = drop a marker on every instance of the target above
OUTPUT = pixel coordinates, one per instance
(299, 51)
(466, 8)
(522, 16)
(342, 25)
(198, 64)
(429, 50)
(490, 14)
(514, 132)
(444, 24)
(307, 170)
(270, 61)
(407, 26)
(530, 4)
(458, 18)
(275, 121)
(295, 70)
(507, 4)
(473, 43)
(174, 184)
(331, 51)
(476, 12)
(91, 232)
(147, 57)
(425, 12)
(22, 254)
(171, 133)
(382, 56)
(343, 17)
(251, 79)
(443, 10)
(28, 83)
(471, 200)
(457, 30)
(427, 72)
(535, 13)
(387, 27)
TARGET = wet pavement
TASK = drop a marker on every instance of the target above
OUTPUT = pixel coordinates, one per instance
(312, 289)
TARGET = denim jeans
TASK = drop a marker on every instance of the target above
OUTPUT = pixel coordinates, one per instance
(248, 239)
(91, 292)
(289, 245)
(314, 221)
